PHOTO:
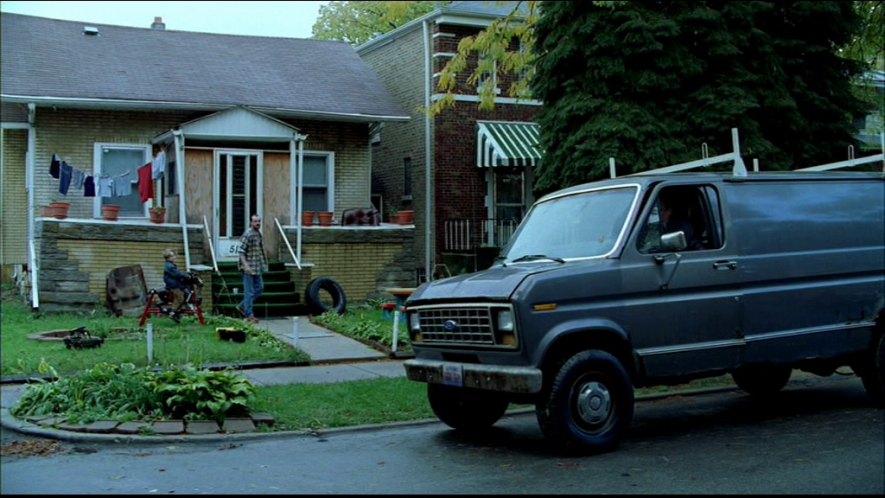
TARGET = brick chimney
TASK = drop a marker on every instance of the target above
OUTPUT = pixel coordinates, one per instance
(158, 24)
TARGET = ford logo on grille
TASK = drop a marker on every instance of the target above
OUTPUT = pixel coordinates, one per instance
(451, 326)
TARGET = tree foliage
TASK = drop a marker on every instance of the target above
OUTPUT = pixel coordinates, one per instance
(359, 22)
(648, 82)
(869, 44)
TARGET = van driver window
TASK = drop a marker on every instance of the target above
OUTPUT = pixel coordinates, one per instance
(679, 209)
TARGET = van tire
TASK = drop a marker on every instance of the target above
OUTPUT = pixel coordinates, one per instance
(584, 380)
(873, 376)
(465, 409)
(315, 304)
(762, 380)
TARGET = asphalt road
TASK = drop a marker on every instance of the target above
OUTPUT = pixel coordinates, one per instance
(821, 436)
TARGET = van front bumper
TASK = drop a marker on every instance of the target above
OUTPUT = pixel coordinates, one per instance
(499, 378)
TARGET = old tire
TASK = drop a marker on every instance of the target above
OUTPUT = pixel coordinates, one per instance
(762, 380)
(873, 372)
(465, 409)
(589, 405)
(314, 301)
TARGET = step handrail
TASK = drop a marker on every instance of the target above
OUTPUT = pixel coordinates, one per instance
(211, 246)
(286, 240)
(35, 294)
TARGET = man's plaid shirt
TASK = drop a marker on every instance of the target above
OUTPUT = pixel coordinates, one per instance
(252, 246)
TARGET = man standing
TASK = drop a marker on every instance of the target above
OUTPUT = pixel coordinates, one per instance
(252, 262)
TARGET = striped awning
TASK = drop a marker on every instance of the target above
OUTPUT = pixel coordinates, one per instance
(507, 143)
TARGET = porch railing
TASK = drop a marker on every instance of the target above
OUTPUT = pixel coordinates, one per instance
(468, 234)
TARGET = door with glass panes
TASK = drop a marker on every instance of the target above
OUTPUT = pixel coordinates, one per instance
(238, 187)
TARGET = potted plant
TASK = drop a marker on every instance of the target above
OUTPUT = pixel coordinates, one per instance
(60, 209)
(325, 218)
(110, 212)
(393, 217)
(406, 217)
(158, 213)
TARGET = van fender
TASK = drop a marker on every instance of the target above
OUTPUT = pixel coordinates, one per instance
(569, 338)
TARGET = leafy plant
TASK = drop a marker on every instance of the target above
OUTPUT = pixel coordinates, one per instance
(190, 394)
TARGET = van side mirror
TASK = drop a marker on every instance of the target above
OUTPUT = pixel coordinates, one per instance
(674, 241)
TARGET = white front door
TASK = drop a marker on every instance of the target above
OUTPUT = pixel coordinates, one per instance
(238, 186)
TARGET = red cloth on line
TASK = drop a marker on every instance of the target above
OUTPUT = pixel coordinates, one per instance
(145, 184)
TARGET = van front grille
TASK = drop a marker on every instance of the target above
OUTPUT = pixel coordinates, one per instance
(457, 325)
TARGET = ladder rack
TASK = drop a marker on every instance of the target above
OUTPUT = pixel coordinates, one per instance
(851, 161)
(739, 169)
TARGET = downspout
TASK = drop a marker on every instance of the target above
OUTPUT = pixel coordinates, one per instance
(428, 167)
(29, 175)
(178, 139)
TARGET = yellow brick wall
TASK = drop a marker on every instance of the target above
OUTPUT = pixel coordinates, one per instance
(13, 198)
(358, 277)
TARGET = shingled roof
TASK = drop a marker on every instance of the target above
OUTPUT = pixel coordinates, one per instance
(53, 62)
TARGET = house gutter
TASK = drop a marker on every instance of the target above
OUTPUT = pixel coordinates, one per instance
(428, 166)
(178, 137)
(30, 163)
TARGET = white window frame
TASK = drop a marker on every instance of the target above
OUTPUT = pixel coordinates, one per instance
(97, 155)
(330, 176)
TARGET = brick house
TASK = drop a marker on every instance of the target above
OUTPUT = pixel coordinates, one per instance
(480, 162)
(275, 126)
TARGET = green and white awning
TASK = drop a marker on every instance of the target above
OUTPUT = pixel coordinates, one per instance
(507, 143)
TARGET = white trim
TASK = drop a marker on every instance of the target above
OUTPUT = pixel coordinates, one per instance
(440, 34)
(443, 54)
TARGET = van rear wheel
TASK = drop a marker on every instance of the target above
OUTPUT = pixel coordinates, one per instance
(590, 403)
(762, 380)
(873, 372)
(465, 409)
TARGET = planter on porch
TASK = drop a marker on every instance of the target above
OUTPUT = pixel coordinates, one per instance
(60, 209)
(325, 218)
(306, 218)
(110, 212)
(406, 217)
(158, 215)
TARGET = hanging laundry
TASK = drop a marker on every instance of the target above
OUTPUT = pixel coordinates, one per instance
(145, 183)
(122, 185)
(158, 165)
(105, 187)
(65, 180)
(78, 178)
(89, 187)
(54, 166)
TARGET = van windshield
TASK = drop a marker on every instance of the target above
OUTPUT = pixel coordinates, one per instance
(580, 225)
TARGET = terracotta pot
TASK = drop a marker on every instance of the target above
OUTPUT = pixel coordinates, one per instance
(394, 218)
(325, 218)
(407, 217)
(60, 209)
(306, 218)
(110, 212)
(158, 216)
(47, 212)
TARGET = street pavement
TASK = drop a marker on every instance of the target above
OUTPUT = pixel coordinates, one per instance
(334, 357)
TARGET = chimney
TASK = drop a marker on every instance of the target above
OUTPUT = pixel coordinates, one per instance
(158, 24)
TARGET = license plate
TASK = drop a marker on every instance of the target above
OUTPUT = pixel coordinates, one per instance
(453, 375)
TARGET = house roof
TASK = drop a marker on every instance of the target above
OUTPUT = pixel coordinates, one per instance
(472, 13)
(53, 62)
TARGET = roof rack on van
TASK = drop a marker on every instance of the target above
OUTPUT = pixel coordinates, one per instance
(851, 161)
(737, 170)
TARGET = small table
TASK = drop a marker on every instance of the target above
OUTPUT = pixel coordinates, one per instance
(401, 294)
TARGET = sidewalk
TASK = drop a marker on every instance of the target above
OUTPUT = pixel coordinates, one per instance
(336, 358)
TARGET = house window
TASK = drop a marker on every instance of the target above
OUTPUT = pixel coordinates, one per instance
(318, 182)
(407, 178)
(509, 196)
(489, 68)
(120, 163)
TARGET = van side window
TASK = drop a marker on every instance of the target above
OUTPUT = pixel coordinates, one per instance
(693, 211)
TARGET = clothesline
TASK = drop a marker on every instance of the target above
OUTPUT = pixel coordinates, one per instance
(108, 186)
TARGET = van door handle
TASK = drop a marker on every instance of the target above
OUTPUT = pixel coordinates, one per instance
(725, 265)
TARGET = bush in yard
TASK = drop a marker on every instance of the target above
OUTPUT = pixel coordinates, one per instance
(125, 392)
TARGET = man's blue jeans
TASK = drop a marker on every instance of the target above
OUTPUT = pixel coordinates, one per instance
(252, 287)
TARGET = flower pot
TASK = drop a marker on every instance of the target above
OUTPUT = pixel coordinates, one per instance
(47, 212)
(158, 215)
(306, 218)
(60, 209)
(110, 212)
(325, 218)
(406, 217)
(393, 218)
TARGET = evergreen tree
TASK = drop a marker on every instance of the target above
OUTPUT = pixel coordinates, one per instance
(648, 82)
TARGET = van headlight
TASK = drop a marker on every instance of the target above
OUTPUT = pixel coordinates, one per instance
(505, 331)
(505, 321)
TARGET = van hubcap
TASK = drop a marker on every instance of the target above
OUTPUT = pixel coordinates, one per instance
(594, 403)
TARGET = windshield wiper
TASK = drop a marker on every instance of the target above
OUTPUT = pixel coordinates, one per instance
(531, 257)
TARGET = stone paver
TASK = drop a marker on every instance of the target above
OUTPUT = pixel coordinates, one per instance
(232, 425)
(101, 426)
(133, 427)
(201, 427)
(166, 427)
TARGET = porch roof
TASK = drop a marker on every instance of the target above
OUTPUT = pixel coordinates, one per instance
(238, 123)
(507, 143)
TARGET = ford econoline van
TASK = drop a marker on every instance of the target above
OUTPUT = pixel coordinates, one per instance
(659, 278)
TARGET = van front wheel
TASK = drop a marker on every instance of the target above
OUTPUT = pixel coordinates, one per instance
(590, 404)
(762, 380)
(873, 373)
